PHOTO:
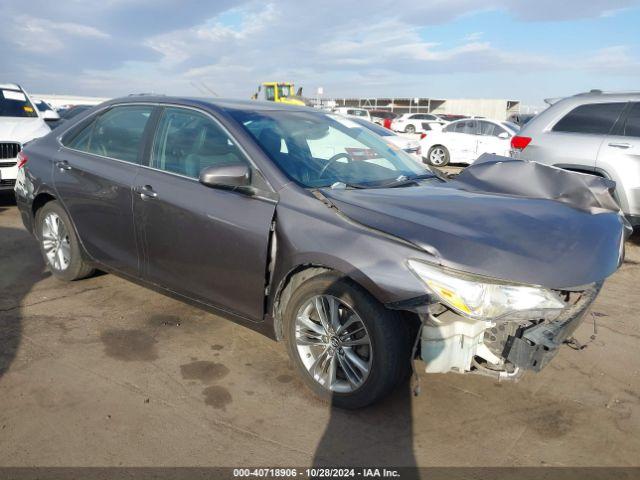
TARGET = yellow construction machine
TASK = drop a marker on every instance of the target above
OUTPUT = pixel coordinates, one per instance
(281, 92)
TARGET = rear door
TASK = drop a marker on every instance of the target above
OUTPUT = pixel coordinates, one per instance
(207, 244)
(574, 141)
(619, 159)
(461, 140)
(94, 174)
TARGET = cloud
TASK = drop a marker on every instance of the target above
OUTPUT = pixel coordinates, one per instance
(111, 47)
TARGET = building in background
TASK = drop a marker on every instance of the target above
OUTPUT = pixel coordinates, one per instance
(497, 109)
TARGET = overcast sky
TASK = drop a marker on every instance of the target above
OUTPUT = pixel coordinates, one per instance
(517, 49)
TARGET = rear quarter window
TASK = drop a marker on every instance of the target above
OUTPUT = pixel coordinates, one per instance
(595, 118)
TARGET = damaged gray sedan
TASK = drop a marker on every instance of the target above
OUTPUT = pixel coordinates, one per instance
(314, 231)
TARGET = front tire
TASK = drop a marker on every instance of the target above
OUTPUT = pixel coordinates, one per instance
(59, 244)
(348, 348)
(438, 156)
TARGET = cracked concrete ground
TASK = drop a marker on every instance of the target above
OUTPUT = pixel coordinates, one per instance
(102, 372)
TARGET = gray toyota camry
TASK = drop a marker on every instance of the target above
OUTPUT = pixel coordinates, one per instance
(313, 230)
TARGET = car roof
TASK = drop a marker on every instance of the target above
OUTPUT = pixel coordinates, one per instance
(214, 103)
(10, 86)
(605, 96)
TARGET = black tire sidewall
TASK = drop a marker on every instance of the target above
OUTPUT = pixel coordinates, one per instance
(77, 268)
(386, 331)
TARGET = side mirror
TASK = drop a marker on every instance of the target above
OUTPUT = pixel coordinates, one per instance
(504, 135)
(49, 115)
(231, 175)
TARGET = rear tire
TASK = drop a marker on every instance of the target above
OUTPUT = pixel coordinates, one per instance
(438, 156)
(59, 244)
(410, 129)
(381, 335)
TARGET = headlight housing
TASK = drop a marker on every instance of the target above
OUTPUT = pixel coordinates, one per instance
(484, 298)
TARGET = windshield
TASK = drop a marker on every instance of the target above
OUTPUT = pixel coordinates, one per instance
(14, 103)
(319, 150)
(374, 127)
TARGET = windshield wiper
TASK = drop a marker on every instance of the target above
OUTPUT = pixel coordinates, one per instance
(403, 181)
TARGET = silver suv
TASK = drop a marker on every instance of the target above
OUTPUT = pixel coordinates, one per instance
(596, 133)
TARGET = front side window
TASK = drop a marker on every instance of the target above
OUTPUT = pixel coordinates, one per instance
(284, 91)
(14, 103)
(632, 124)
(322, 149)
(187, 142)
(270, 93)
(595, 118)
(116, 133)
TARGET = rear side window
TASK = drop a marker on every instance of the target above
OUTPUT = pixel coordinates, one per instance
(116, 133)
(595, 118)
(468, 126)
(188, 141)
(632, 124)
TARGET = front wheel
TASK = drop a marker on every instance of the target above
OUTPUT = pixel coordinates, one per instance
(348, 348)
(59, 244)
(438, 156)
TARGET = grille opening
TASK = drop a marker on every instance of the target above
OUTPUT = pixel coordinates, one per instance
(9, 150)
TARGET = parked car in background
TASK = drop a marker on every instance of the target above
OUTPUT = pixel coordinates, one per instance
(412, 122)
(339, 248)
(353, 112)
(521, 119)
(379, 116)
(20, 122)
(49, 114)
(596, 133)
(69, 113)
(462, 141)
(409, 145)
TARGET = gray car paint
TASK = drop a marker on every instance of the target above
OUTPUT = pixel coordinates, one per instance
(213, 248)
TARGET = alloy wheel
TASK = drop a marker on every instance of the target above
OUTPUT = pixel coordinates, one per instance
(55, 242)
(333, 344)
(437, 156)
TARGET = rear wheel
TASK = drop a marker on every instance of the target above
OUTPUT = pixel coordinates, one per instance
(348, 348)
(59, 244)
(438, 156)
(410, 129)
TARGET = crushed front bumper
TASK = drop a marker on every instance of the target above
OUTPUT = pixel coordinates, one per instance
(503, 348)
(533, 347)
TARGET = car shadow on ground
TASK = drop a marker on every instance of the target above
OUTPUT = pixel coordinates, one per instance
(19, 253)
(355, 438)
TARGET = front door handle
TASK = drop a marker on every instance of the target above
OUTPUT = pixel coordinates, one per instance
(145, 191)
(620, 145)
(63, 165)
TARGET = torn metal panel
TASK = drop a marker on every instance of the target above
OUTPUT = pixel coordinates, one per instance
(520, 178)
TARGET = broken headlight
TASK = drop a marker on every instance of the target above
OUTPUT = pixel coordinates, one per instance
(485, 298)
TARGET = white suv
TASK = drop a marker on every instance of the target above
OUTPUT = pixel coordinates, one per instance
(20, 122)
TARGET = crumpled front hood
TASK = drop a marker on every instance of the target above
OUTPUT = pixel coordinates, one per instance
(13, 129)
(528, 240)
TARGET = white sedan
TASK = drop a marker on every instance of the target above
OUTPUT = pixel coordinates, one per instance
(413, 122)
(465, 140)
(409, 145)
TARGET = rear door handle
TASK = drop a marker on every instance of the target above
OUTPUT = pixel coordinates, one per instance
(145, 192)
(620, 145)
(63, 165)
